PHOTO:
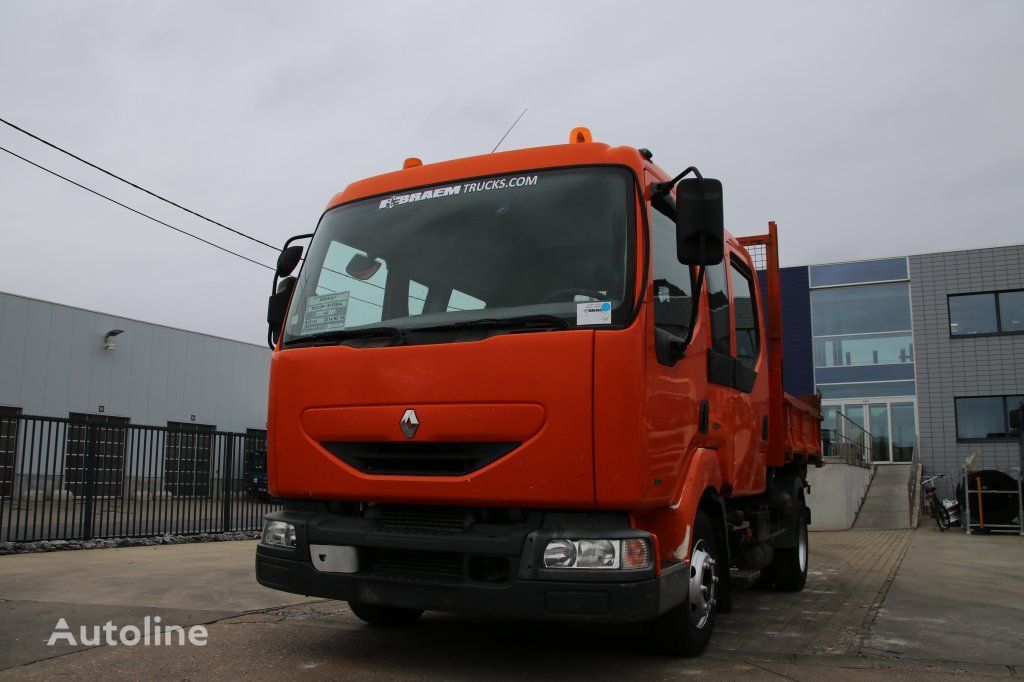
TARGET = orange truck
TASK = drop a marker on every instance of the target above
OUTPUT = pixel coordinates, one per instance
(541, 383)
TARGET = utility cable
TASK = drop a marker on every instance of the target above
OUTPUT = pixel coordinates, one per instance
(138, 187)
(134, 210)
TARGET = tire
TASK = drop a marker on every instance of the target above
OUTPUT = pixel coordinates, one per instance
(686, 629)
(384, 616)
(939, 512)
(789, 568)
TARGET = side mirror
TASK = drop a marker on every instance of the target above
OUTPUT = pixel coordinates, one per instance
(289, 258)
(700, 234)
(362, 267)
(277, 307)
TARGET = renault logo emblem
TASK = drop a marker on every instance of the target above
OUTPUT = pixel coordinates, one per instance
(410, 422)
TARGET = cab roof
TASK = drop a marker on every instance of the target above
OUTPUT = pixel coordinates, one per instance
(499, 163)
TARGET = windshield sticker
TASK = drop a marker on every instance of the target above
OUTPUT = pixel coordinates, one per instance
(325, 313)
(466, 188)
(593, 312)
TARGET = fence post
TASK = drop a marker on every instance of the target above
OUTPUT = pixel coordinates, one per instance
(229, 450)
(91, 439)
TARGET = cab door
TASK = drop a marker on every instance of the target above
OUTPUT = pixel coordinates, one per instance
(737, 376)
(675, 385)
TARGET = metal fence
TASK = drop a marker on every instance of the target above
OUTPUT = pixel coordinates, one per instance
(847, 441)
(84, 478)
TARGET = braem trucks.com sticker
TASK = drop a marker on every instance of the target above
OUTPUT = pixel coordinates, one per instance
(465, 188)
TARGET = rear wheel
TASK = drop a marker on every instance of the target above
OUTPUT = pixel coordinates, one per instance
(789, 568)
(686, 629)
(384, 616)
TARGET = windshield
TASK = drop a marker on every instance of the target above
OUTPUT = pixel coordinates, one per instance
(552, 249)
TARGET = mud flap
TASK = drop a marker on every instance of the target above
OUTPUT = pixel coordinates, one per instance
(724, 578)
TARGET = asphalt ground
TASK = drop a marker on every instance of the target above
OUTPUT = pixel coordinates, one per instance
(895, 604)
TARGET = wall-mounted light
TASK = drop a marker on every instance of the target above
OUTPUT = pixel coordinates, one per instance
(108, 340)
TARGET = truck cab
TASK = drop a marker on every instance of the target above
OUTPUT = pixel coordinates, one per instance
(536, 383)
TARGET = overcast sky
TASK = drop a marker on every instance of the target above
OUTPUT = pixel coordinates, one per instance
(864, 128)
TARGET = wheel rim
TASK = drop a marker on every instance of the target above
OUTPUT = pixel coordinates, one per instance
(802, 547)
(703, 584)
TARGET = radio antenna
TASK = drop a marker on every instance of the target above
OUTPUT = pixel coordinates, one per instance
(509, 130)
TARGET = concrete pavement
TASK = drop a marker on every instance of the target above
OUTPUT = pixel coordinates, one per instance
(878, 603)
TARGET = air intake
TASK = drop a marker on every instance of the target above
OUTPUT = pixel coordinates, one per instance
(419, 459)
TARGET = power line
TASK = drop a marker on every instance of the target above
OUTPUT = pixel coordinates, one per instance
(133, 210)
(161, 198)
(138, 187)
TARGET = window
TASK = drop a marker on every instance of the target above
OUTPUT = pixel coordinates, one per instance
(516, 245)
(860, 272)
(994, 312)
(748, 343)
(870, 389)
(861, 310)
(673, 281)
(973, 315)
(365, 297)
(1011, 311)
(718, 302)
(985, 416)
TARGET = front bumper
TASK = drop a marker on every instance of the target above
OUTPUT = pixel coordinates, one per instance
(527, 590)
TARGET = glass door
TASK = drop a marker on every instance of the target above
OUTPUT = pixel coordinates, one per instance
(889, 421)
(878, 427)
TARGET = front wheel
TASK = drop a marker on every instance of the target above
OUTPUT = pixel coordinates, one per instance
(384, 616)
(686, 629)
(939, 512)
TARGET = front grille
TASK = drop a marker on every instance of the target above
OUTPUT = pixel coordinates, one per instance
(441, 519)
(419, 458)
(413, 564)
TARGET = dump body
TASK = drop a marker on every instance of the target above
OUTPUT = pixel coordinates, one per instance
(486, 357)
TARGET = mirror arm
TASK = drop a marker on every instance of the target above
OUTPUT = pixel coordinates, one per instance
(661, 188)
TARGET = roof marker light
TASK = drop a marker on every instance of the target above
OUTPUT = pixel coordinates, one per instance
(580, 135)
(412, 162)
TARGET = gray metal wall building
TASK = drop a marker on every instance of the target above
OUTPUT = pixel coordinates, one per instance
(950, 367)
(53, 362)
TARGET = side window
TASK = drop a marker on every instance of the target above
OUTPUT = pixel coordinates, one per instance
(673, 281)
(718, 302)
(748, 343)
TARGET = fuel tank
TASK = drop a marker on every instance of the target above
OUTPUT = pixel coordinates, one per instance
(502, 421)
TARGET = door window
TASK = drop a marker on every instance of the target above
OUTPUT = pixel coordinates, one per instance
(718, 302)
(673, 285)
(748, 342)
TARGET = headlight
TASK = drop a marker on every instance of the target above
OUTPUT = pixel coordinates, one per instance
(278, 534)
(598, 553)
(560, 554)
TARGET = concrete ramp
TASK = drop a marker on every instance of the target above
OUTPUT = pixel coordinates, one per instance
(886, 505)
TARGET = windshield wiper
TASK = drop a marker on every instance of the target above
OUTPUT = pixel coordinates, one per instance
(339, 335)
(521, 322)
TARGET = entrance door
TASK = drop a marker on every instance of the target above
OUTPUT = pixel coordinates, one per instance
(107, 463)
(889, 421)
(189, 450)
(8, 448)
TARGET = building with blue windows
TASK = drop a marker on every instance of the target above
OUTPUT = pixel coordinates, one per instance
(926, 348)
